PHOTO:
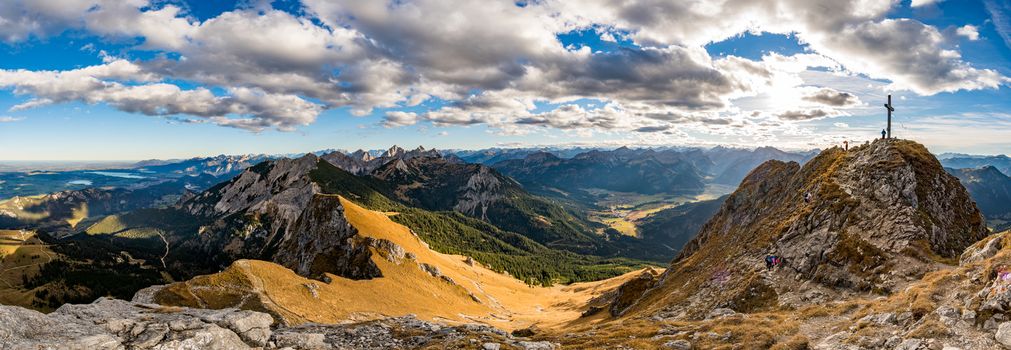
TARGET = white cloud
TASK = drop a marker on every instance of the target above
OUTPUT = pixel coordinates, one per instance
(832, 97)
(492, 61)
(397, 118)
(969, 31)
(909, 53)
(919, 3)
(9, 119)
(123, 85)
(803, 115)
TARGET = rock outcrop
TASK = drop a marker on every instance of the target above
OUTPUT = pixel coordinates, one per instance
(117, 324)
(482, 190)
(322, 240)
(276, 211)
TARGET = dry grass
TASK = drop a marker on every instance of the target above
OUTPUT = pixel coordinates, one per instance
(21, 255)
(107, 225)
(404, 289)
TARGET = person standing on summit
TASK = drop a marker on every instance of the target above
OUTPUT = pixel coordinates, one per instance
(883, 133)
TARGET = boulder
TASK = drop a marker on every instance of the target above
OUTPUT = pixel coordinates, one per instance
(1003, 335)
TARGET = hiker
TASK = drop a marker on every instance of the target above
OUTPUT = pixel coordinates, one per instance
(883, 133)
(769, 261)
(846, 145)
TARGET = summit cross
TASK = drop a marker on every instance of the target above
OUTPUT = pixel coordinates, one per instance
(890, 110)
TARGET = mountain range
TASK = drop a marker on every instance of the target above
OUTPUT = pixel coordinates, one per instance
(875, 246)
(991, 189)
(961, 161)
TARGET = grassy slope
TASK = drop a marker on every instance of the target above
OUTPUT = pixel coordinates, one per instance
(404, 288)
(21, 255)
(455, 233)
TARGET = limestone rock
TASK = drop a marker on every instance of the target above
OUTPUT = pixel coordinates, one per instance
(1003, 334)
(322, 240)
(979, 252)
(114, 324)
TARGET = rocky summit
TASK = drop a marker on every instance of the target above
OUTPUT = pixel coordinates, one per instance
(875, 247)
(864, 220)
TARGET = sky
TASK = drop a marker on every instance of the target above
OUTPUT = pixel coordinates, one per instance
(143, 79)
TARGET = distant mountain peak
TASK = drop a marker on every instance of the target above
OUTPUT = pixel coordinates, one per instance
(393, 152)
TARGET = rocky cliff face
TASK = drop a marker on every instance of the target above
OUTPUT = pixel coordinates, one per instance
(274, 211)
(482, 190)
(874, 218)
(322, 240)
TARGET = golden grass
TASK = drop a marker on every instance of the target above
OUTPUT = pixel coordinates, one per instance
(107, 225)
(404, 289)
(623, 226)
(21, 254)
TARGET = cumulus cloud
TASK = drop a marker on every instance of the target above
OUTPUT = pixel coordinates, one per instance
(802, 115)
(123, 85)
(969, 31)
(492, 62)
(656, 128)
(919, 3)
(397, 118)
(160, 26)
(831, 97)
(909, 53)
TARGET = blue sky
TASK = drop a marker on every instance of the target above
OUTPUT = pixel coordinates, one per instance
(181, 79)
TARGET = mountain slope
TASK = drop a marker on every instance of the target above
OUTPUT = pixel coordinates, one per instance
(281, 211)
(446, 287)
(991, 190)
(440, 184)
(879, 214)
(670, 229)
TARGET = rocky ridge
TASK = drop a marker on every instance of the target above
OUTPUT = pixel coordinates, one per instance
(283, 216)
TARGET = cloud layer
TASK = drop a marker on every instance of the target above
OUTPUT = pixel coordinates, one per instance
(496, 62)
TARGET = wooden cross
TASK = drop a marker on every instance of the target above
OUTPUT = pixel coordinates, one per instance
(890, 110)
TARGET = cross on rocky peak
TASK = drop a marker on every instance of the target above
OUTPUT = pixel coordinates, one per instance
(890, 110)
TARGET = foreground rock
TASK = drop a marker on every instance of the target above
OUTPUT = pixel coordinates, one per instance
(117, 324)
